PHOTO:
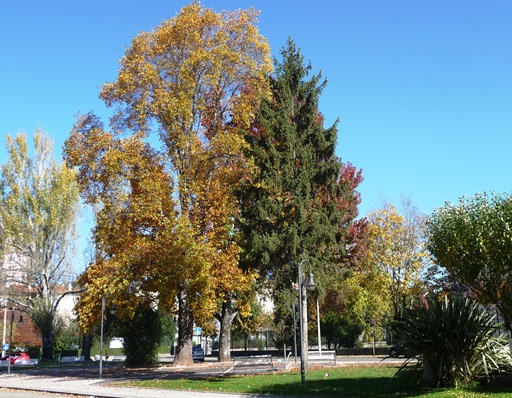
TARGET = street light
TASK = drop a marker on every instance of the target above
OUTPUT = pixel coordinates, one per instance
(5, 329)
(10, 338)
(303, 319)
(101, 335)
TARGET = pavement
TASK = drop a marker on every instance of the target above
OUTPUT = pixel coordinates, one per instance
(85, 381)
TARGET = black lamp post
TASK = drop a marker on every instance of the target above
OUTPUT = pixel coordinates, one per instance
(10, 339)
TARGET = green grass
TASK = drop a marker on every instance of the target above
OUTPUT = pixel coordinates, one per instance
(378, 381)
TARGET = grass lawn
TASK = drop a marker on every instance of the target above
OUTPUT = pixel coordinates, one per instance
(378, 381)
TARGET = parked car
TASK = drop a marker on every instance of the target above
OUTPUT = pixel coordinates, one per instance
(16, 356)
(395, 351)
(399, 350)
(198, 353)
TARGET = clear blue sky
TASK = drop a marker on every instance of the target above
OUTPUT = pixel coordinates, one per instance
(423, 89)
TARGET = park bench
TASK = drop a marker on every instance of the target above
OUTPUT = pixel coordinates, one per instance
(117, 358)
(253, 361)
(19, 363)
(322, 356)
(111, 358)
(26, 362)
(72, 361)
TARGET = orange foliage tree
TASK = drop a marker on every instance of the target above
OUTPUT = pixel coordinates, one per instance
(165, 212)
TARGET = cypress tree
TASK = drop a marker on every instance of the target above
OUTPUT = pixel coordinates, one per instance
(290, 210)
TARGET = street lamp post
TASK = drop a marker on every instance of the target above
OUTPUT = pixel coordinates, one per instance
(294, 329)
(303, 319)
(5, 329)
(10, 340)
(101, 335)
(318, 325)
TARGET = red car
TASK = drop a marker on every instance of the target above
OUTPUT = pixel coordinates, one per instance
(16, 356)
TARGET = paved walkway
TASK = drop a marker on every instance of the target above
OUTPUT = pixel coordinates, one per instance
(96, 388)
(85, 381)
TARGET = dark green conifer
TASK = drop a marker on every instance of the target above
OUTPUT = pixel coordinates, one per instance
(290, 210)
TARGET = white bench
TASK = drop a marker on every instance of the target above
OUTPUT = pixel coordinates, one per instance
(72, 360)
(26, 362)
(111, 358)
(253, 361)
(322, 356)
(117, 358)
(19, 363)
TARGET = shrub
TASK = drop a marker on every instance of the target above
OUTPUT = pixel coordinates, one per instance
(67, 336)
(34, 351)
(142, 337)
(455, 341)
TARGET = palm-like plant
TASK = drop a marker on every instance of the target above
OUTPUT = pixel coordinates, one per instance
(454, 339)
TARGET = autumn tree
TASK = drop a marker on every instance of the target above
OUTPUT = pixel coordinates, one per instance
(340, 314)
(354, 302)
(472, 240)
(195, 81)
(396, 246)
(39, 205)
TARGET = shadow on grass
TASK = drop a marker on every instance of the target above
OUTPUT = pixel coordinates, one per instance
(289, 384)
(345, 382)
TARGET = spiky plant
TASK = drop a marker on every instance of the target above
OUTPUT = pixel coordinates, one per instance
(455, 341)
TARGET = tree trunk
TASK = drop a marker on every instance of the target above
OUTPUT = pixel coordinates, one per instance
(86, 346)
(185, 331)
(226, 319)
(47, 340)
(43, 322)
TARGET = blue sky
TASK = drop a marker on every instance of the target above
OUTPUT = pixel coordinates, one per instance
(422, 89)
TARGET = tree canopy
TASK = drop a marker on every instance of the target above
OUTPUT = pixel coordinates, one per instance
(396, 247)
(195, 81)
(289, 210)
(473, 241)
(39, 206)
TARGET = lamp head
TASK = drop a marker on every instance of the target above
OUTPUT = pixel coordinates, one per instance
(310, 283)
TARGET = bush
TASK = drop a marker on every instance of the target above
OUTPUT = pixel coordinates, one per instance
(67, 336)
(142, 337)
(454, 340)
(34, 351)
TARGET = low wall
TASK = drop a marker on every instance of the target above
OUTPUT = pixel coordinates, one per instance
(279, 353)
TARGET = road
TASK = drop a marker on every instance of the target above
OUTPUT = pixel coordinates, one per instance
(6, 393)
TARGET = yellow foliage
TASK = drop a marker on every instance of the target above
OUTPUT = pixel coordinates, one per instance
(165, 216)
(396, 247)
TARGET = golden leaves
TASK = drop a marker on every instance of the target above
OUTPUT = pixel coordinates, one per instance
(396, 247)
(166, 214)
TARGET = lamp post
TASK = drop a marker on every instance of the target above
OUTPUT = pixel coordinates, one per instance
(294, 329)
(101, 335)
(10, 339)
(318, 325)
(5, 329)
(303, 319)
